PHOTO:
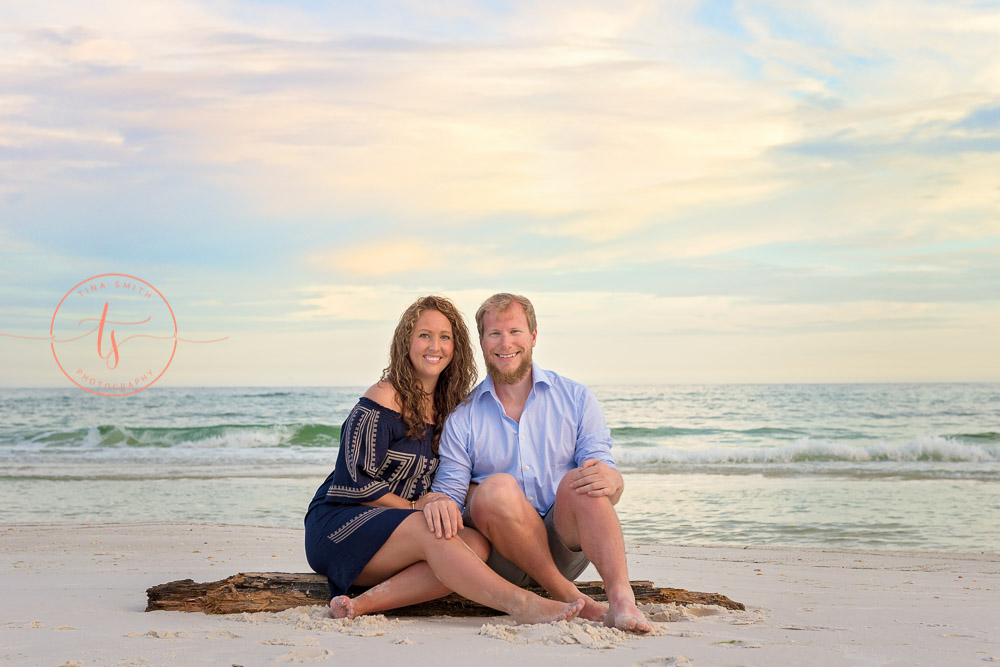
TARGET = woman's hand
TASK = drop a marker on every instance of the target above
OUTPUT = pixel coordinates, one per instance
(442, 514)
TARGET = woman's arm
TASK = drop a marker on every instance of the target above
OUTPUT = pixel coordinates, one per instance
(364, 445)
(443, 517)
(390, 500)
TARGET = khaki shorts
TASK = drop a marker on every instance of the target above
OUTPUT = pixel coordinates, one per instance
(570, 563)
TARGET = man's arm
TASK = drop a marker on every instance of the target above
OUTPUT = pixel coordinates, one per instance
(596, 474)
(451, 479)
(455, 467)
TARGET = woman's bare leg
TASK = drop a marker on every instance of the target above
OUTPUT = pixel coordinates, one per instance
(455, 566)
(413, 585)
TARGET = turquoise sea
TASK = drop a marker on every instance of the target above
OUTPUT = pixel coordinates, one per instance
(874, 466)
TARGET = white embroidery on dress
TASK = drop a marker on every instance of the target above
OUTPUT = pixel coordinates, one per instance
(403, 473)
(348, 528)
(404, 466)
(335, 492)
(419, 477)
(362, 427)
(429, 466)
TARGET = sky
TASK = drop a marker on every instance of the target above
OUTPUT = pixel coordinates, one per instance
(689, 192)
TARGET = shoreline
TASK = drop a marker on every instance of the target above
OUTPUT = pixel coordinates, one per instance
(76, 594)
(632, 545)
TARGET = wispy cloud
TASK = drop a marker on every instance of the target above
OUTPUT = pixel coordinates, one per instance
(768, 157)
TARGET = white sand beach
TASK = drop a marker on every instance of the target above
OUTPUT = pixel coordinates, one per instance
(74, 594)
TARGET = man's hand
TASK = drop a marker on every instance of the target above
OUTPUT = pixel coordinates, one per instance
(442, 514)
(596, 478)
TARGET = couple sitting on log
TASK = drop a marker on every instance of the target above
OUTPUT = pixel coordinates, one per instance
(525, 483)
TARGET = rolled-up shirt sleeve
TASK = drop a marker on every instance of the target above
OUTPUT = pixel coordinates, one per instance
(364, 445)
(455, 468)
(593, 438)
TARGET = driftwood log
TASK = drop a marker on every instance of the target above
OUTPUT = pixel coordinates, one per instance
(277, 591)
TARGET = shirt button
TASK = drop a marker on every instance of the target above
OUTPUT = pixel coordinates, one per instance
(527, 467)
(522, 437)
(531, 498)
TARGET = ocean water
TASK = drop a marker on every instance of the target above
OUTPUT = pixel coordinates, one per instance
(874, 466)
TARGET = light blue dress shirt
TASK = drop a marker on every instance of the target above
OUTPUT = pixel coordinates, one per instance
(561, 427)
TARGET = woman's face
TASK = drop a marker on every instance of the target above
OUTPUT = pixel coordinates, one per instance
(432, 346)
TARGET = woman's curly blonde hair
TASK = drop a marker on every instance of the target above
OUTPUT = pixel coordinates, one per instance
(455, 381)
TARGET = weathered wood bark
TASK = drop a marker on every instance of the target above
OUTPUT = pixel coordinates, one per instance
(276, 591)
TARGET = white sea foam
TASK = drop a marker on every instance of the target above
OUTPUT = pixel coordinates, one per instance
(866, 466)
(194, 437)
(242, 438)
(921, 448)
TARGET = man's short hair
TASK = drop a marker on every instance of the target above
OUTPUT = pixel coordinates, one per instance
(499, 303)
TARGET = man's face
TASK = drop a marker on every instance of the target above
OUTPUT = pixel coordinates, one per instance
(507, 344)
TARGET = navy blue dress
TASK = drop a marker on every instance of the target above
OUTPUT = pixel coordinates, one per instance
(376, 457)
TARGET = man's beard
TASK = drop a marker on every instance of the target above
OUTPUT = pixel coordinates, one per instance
(513, 376)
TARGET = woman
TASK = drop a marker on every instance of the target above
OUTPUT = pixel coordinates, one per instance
(369, 523)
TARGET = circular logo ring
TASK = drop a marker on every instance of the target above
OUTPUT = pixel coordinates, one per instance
(55, 314)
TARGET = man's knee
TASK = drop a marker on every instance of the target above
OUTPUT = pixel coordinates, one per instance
(498, 487)
(568, 498)
(497, 497)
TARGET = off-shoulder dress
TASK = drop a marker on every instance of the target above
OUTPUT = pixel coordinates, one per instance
(376, 457)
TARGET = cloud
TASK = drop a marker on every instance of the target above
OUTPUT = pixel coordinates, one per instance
(551, 128)
(566, 112)
(393, 257)
(768, 153)
(380, 304)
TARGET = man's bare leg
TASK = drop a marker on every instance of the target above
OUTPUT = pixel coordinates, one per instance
(506, 518)
(592, 524)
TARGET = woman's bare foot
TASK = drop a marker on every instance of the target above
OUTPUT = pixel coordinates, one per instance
(342, 607)
(548, 611)
(624, 615)
(592, 609)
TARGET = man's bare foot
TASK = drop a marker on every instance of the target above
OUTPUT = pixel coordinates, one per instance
(629, 620)
(548, 611)
(342, 607)
(592, 609)
(624, 615)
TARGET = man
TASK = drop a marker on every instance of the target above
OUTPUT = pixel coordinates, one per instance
(527, 459)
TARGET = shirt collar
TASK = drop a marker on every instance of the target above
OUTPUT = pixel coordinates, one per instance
(538, 376)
